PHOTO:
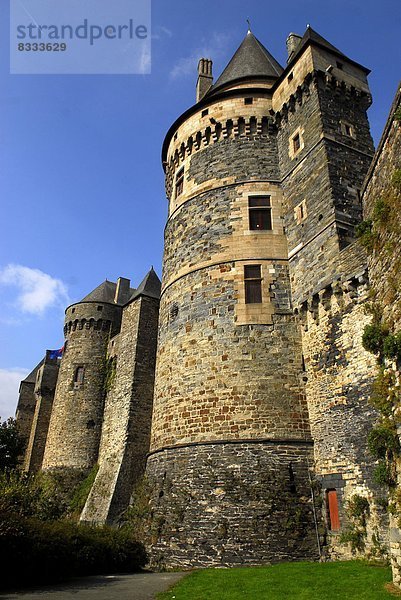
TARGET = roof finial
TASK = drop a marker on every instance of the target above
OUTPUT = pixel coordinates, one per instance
(249, 25)
(308, 26)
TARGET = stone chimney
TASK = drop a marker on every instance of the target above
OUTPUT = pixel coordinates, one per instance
(205, 78)
(292, 44)
(122, 290)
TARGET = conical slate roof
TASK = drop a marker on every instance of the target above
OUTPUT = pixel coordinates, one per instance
(250, 60)
(105, 292)
(150, 286)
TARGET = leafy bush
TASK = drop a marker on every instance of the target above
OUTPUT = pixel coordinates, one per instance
(383, 440)
(51, 551)
(11, 444)
(364, 232)
(381, 211)
(27, 496)
(383, 392)
(373, 337)
(392, 346)
(383, 474)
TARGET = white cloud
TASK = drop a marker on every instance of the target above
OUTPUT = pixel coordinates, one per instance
(214, 49)
(37, 291)
(9, 386)
(160, 32)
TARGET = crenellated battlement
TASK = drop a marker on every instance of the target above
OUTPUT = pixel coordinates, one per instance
(96, 325)
(230, 128)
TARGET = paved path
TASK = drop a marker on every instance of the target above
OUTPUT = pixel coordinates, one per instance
(139, 586)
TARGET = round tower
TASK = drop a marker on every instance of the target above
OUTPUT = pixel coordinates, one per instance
(231, 444)
(76, 420)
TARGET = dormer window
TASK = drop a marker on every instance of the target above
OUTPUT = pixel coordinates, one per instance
(179, 182)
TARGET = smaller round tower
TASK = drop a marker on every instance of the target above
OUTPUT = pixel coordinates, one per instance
(76, 420)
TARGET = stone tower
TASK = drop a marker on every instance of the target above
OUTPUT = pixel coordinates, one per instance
(230, 442)
(76, 420)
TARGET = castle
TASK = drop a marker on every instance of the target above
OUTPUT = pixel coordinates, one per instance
(239, 385)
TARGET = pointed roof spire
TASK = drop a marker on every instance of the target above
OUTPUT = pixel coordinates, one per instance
(251, 60)
(150, 286)
(312, 36)
(249, 25)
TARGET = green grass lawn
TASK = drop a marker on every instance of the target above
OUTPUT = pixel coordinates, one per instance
(352, 580)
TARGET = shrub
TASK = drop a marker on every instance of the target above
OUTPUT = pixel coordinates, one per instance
(364, 232)
(373, 337)
(392, 346)
(28, 496)
(383, 440)
(381, 211)
(383, 474)
(11, 444)
(61, 549)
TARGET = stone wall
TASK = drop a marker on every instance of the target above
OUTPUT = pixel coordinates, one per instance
(26, 409)
(45, 385)
(76, 420)
(339, 376)
(385, 264)
(127, 413)
(233, 504)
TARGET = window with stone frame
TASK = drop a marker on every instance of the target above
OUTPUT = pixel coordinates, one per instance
(300, 211)
(296, 142)
(347, 129)
(253, 284)
(260, 213)
(333, 517)
(179, 182)
(79, 376)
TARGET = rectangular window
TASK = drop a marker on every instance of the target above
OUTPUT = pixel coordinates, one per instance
(260, 213)
(333, 518)
(296, 143)
(79, 377)
(248, 100)
(253, 284)
(205, 112)
(179, 182)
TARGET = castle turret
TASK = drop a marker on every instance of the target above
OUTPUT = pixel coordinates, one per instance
(325, 149)
(76, 420)
(230, 437)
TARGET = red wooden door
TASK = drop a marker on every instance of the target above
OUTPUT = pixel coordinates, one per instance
(332, 502)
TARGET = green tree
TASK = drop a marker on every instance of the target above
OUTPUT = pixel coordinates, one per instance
(11, 444)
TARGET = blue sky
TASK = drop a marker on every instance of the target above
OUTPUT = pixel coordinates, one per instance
(81, 181)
